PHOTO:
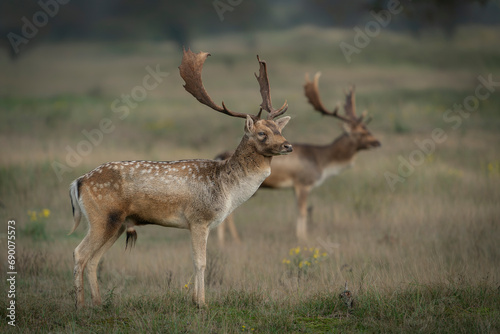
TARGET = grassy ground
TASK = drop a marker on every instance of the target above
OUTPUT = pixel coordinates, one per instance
(420, 256)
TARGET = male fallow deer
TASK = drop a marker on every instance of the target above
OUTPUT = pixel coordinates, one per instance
(310, 165)
(191, 194)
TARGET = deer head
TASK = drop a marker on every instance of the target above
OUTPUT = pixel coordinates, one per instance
(354, 126)
(264, 135)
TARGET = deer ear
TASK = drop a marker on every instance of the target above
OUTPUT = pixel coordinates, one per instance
(249, 125)
(281, 122)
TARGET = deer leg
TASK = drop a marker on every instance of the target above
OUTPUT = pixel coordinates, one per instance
(92, 264)
(80, 258)
(82, 254)
(103, 231)
(301, 194)
(199, 237)
(232, 228)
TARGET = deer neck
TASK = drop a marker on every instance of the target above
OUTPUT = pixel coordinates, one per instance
(341, 151)
(244, 172)
(246, 163)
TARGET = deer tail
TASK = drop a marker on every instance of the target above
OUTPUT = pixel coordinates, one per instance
(75, 203)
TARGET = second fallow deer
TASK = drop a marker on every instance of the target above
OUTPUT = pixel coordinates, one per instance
(196, 195)
(310, 164)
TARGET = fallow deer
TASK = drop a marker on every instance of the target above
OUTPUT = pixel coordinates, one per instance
(310, 165)
(190, 194)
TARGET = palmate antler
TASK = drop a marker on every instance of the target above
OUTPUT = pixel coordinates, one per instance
(265, 91)
(190, 70)
(312, 93)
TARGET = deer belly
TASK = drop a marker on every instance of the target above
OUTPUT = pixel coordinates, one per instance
(331, 170)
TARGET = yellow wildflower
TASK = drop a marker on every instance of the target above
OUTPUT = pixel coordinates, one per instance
(33, 215)
(301, 264)
(324, 254)
(297, 250)
(45, 213)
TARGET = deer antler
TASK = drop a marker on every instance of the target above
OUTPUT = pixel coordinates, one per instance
(190, 70)
(312, 94)
(265, 91)
(350, 107)
(350, 104)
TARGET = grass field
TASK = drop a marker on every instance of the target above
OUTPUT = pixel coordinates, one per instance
(420, 254)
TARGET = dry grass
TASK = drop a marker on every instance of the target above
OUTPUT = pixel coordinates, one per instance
(423, 257)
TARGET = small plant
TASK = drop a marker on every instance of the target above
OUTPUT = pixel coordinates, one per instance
(302, 261)
(188, 285)
(247, 329)
(108, 299)
(347, 297)
(36, 225)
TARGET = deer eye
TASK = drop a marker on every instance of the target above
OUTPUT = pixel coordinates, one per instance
(262, 136)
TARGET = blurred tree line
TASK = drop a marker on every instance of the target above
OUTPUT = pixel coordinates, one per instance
(181, 21)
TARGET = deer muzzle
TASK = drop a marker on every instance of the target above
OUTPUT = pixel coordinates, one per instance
(286, 148)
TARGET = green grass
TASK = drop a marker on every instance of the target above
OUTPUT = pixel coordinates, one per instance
(415, 308)
(421, 258)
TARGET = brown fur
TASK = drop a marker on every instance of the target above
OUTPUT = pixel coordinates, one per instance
(192, 194)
